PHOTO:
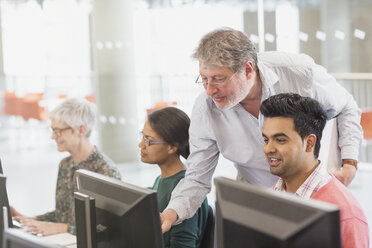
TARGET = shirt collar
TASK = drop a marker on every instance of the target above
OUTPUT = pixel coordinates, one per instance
(268, 78)
(317, 179)
(91, 157)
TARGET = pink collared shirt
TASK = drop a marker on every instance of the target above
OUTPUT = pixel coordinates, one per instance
(317, 179)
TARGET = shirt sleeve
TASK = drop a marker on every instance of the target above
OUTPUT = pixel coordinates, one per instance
(340, 104)
(191, 191)
(50, 216)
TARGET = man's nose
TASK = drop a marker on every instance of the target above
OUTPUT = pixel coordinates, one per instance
(210, 89)
(269, 148)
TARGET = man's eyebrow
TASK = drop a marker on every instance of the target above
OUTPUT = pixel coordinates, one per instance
(276, 135)
(217, 75)
(280, 135)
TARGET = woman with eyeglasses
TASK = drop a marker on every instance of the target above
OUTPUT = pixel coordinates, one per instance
(166, 138)
(71, 125)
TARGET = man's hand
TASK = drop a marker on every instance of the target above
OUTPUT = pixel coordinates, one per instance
(44, 228)
(346, 174)
(167, 218)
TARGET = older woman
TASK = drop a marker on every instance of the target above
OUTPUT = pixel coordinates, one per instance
(72, 123)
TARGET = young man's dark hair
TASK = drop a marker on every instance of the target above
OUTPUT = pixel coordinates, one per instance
(308, 116)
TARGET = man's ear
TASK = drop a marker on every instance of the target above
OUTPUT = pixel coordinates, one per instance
(82, 130)
(249, 69)
(310, 142)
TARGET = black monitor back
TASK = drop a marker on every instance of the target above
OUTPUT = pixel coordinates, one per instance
(4, 203)
(125, 215)
(251, 216)
(85, 221)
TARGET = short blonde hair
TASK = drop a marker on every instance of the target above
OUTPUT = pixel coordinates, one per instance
(75, 112)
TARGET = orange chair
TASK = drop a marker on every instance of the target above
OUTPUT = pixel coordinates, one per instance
(12, 103)
(62, 96)
(91, 98)
(366, 123)
(31, 108)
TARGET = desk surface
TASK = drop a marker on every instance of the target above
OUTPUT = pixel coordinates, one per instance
(64, 239)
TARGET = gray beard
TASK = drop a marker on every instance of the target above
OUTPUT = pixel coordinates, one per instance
(240, 96)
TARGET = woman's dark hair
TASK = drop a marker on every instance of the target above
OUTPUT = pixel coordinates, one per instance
(172, 124)
(307, 114)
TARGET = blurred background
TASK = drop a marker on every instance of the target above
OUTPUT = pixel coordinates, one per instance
(133, 56)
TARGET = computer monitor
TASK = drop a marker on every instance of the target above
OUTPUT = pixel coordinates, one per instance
(124, 215)
(253, 216)
(85, 210)
(4, 203)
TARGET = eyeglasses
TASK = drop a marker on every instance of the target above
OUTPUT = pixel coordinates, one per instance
(150, 143)
(58, 131)
(219, 83)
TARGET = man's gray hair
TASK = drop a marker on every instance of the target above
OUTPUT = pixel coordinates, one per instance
(75, 112)
(226, 47)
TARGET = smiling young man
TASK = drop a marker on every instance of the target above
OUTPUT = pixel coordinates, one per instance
(292, 133)
(226, 119)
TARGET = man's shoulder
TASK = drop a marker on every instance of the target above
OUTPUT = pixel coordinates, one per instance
(285, 59)
(336, 193)
(294, 71)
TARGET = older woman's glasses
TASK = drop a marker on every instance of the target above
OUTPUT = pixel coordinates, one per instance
(215, 82)
(58, 131)
(150, 143)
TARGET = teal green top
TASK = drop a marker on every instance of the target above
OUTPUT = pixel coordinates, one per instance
(190, 232)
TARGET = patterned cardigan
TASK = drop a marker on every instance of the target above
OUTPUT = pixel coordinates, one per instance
(66, 186)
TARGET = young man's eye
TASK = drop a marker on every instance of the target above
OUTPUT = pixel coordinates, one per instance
(280, 140)
(265, 141)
